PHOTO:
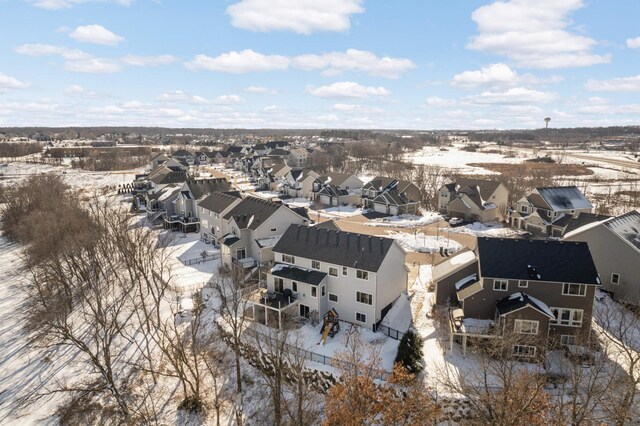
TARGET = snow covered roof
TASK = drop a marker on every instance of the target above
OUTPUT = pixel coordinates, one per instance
(466, 281)
(564, 198)
(626, 227)
(453, 264)
(268, 241)
(521, 300)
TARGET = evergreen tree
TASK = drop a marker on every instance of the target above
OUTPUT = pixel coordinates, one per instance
(410, 352)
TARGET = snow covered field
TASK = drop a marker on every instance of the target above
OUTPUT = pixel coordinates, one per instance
(455, 158)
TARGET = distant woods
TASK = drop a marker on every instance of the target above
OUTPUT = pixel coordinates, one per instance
(19, 149)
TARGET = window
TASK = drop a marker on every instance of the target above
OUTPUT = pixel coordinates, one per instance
(524, 351)
(500, 285)
(315, 264)
(288, 259)
(574, 289)
(526, 327)
(314, 292)
(363, 275)
(241, 253)
(567, 339)
(278, 284)
(344, 270)
(323, 290)
(365, 298)
(333, 298)
(615, 278)
(523, 284)
(294, 286)
(524, 209)
(361, 317)
(568, 317)
(333, 272)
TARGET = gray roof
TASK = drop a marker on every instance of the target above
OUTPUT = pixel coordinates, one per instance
(626, 227)
(328, 224)
(164, 175)
(554, 261)
(218, 201)
(564, 198)
(486, 187)
(334, 178)
(584, 219)
(297, 273)
(339, 248)
(202, 188)
(520, 300)
(252, 212)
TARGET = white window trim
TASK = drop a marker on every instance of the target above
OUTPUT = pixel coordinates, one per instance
(345, 271)
(319, 265)
(312, 291)
(364, 273)
(329, 271)
(366, 294)
(500, 281)
(357, 320)
(571, 337)
(526, 284)
(336, 296)
(617, 281)
(521, 322)
(285, 258)
(571, 322)
(581, 287)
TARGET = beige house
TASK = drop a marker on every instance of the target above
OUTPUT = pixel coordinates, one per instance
(615, 246)
(474, 200)
(298, 158)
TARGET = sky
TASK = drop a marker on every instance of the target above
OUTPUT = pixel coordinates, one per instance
(402, 64)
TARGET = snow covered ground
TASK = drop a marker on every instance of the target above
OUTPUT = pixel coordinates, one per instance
(187, 247)
(489, 229)
(423, 243)
(340, 211)
(406, 221)
(399, 316)
(455, 158)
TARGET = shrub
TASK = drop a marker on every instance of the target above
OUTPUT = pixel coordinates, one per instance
(410, 352)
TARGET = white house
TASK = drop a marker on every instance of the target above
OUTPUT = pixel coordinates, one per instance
(360, 276)
(211, 211)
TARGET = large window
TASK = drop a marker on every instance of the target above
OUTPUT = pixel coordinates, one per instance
(288, 259)
(574, 289)
(333, 298)
(567, 339)
(363, 275)
(524, 351)
(615, 278)
(333, 271)
(568, 317)
(315, 264)
(501, 285)
(365, 298)
(361, 317)
(526, 326)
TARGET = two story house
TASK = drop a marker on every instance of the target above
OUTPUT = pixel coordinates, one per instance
(300, 183)
(253, 226)
(547, 211)
(336, 189)
(211, 211)
(615, 246)
(541, 291)
(298, 158)
(359, 276)
(183, 215)
(474, 200)
(391, 196)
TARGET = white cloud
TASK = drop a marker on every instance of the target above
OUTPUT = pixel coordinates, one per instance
(182, 97)
(66, 4)
(335, 63)
(93, 66)
(8, 83)
(75, 90)
(627, 84)
(260, 90)
(494, 74)
(437, 101)
(633, 43)
(346, 89)
(228, 100)
(332, 63)
(147, 61)
(96, 34)
(355, 108)
(534, 33)
(516, 95)
(48, 49)
(239, 62)
(300, 16)
(271, 109)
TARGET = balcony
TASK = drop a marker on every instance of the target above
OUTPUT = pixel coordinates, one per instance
(245, 263)
(182, 223)
(268, 307)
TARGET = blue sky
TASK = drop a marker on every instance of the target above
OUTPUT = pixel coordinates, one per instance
(414, 64)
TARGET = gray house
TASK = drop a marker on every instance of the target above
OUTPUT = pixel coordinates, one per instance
(615, 246)
(542, 290)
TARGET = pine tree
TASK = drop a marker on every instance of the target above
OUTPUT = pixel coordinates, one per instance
(410, 352)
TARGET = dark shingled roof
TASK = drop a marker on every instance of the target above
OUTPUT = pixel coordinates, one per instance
(218, 201)
(584, 219)
(340, 248)
(554, 261)
(297, 273)
(486, 187)
(229, 240)
(202, 188)
(252, 212)
(520, 300)
(328, 224)
(164, 175)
